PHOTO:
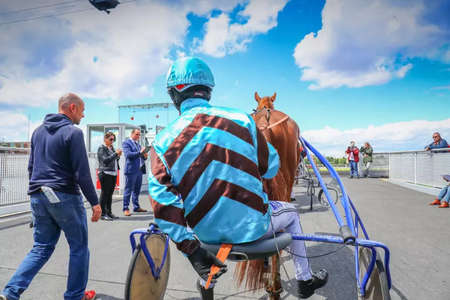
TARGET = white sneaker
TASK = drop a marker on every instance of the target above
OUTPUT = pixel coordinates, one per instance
(3, 297)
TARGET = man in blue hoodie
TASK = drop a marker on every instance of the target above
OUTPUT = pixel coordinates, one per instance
(58, 168)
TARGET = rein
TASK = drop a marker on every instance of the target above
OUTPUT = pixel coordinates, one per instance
(268, 119)
(277, 123)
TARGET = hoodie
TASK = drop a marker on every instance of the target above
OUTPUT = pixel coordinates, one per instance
(59, 159)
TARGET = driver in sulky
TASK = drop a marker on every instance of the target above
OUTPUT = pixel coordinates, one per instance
(206, 177)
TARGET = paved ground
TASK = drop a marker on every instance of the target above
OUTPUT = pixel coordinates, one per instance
(417, 235)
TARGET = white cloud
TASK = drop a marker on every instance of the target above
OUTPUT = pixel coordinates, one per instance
(224, 37)
(368, 42)
(116, 56)
(399, 136)
(111, 56)
(15, 127)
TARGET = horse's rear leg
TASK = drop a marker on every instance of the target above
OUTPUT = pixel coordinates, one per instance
(274, 288)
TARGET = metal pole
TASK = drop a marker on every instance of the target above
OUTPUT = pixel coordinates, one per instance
(28, 127)
(389, 165)
(415, 168)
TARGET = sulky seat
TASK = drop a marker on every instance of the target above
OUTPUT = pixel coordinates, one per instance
(254, 250)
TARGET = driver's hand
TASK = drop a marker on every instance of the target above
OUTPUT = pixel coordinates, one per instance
(202, 260)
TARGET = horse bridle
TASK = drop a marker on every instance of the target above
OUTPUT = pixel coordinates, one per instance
(268, 126)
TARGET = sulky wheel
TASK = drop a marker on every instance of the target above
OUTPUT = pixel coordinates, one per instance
(323, 199)
(140, 283)
(377, 286)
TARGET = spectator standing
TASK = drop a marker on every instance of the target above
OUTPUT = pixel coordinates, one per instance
(58, 167)
(108, 160)
(135, 156)
(367, 153)
(438, 142)
(353, 159)
(444, 195)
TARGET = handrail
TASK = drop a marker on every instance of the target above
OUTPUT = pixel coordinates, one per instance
(442, 150)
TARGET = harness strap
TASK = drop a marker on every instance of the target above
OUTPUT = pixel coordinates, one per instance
(222, 255)
(276, 123)
(279, 122)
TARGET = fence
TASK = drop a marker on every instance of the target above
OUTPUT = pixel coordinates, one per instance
(378, 168)
(419, 167)
(14, 175)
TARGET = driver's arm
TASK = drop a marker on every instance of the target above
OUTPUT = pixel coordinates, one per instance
(168, 207)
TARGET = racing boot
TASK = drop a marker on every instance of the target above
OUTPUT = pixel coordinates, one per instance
(206, 294)
(307, 287)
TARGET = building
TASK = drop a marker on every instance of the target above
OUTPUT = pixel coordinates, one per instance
(15, 144)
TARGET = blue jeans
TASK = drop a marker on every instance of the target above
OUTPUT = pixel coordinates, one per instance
(353, 168)
(133, 183)
(68, 215)
(444, 194)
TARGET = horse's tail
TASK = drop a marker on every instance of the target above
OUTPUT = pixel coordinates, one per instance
(253, 271)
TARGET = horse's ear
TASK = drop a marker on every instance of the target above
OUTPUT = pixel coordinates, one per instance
(257, 98)
(273, 97)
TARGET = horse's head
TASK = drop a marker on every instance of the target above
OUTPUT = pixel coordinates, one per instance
(265, 102)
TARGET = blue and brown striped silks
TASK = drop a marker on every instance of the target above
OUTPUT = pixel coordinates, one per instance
(206, 171)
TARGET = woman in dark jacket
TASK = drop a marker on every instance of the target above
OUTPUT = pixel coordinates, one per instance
(108, 159)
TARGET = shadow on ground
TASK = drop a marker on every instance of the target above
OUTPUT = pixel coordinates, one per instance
(106, 297)
(340, 266)
(142, 217)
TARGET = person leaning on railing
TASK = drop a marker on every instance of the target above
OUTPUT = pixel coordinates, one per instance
(444, 195)
(438, 142)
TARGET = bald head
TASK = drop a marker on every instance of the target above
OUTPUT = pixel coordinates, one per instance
(72, 106)
(65, 101)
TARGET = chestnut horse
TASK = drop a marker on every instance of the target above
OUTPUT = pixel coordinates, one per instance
(283, 133)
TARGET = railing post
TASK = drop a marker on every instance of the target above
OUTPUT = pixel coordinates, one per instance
(389, 165)
(415, 167)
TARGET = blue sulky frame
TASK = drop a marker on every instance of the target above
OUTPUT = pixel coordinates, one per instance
(153, 229)
(349, 230)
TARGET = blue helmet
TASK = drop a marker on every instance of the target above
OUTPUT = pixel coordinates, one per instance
(189, 77)
(189, 71)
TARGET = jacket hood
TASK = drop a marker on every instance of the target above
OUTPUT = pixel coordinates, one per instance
(53, 122)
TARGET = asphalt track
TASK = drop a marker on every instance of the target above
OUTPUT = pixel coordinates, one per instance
(417, 234)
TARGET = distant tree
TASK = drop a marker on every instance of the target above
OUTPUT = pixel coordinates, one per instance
(342, 160)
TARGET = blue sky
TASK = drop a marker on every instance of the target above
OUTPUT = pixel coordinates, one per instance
(375, 71)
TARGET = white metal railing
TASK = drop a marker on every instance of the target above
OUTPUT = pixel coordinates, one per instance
(420, 167)
(14, 175)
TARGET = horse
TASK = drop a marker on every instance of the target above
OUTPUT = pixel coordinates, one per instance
(283, 133)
